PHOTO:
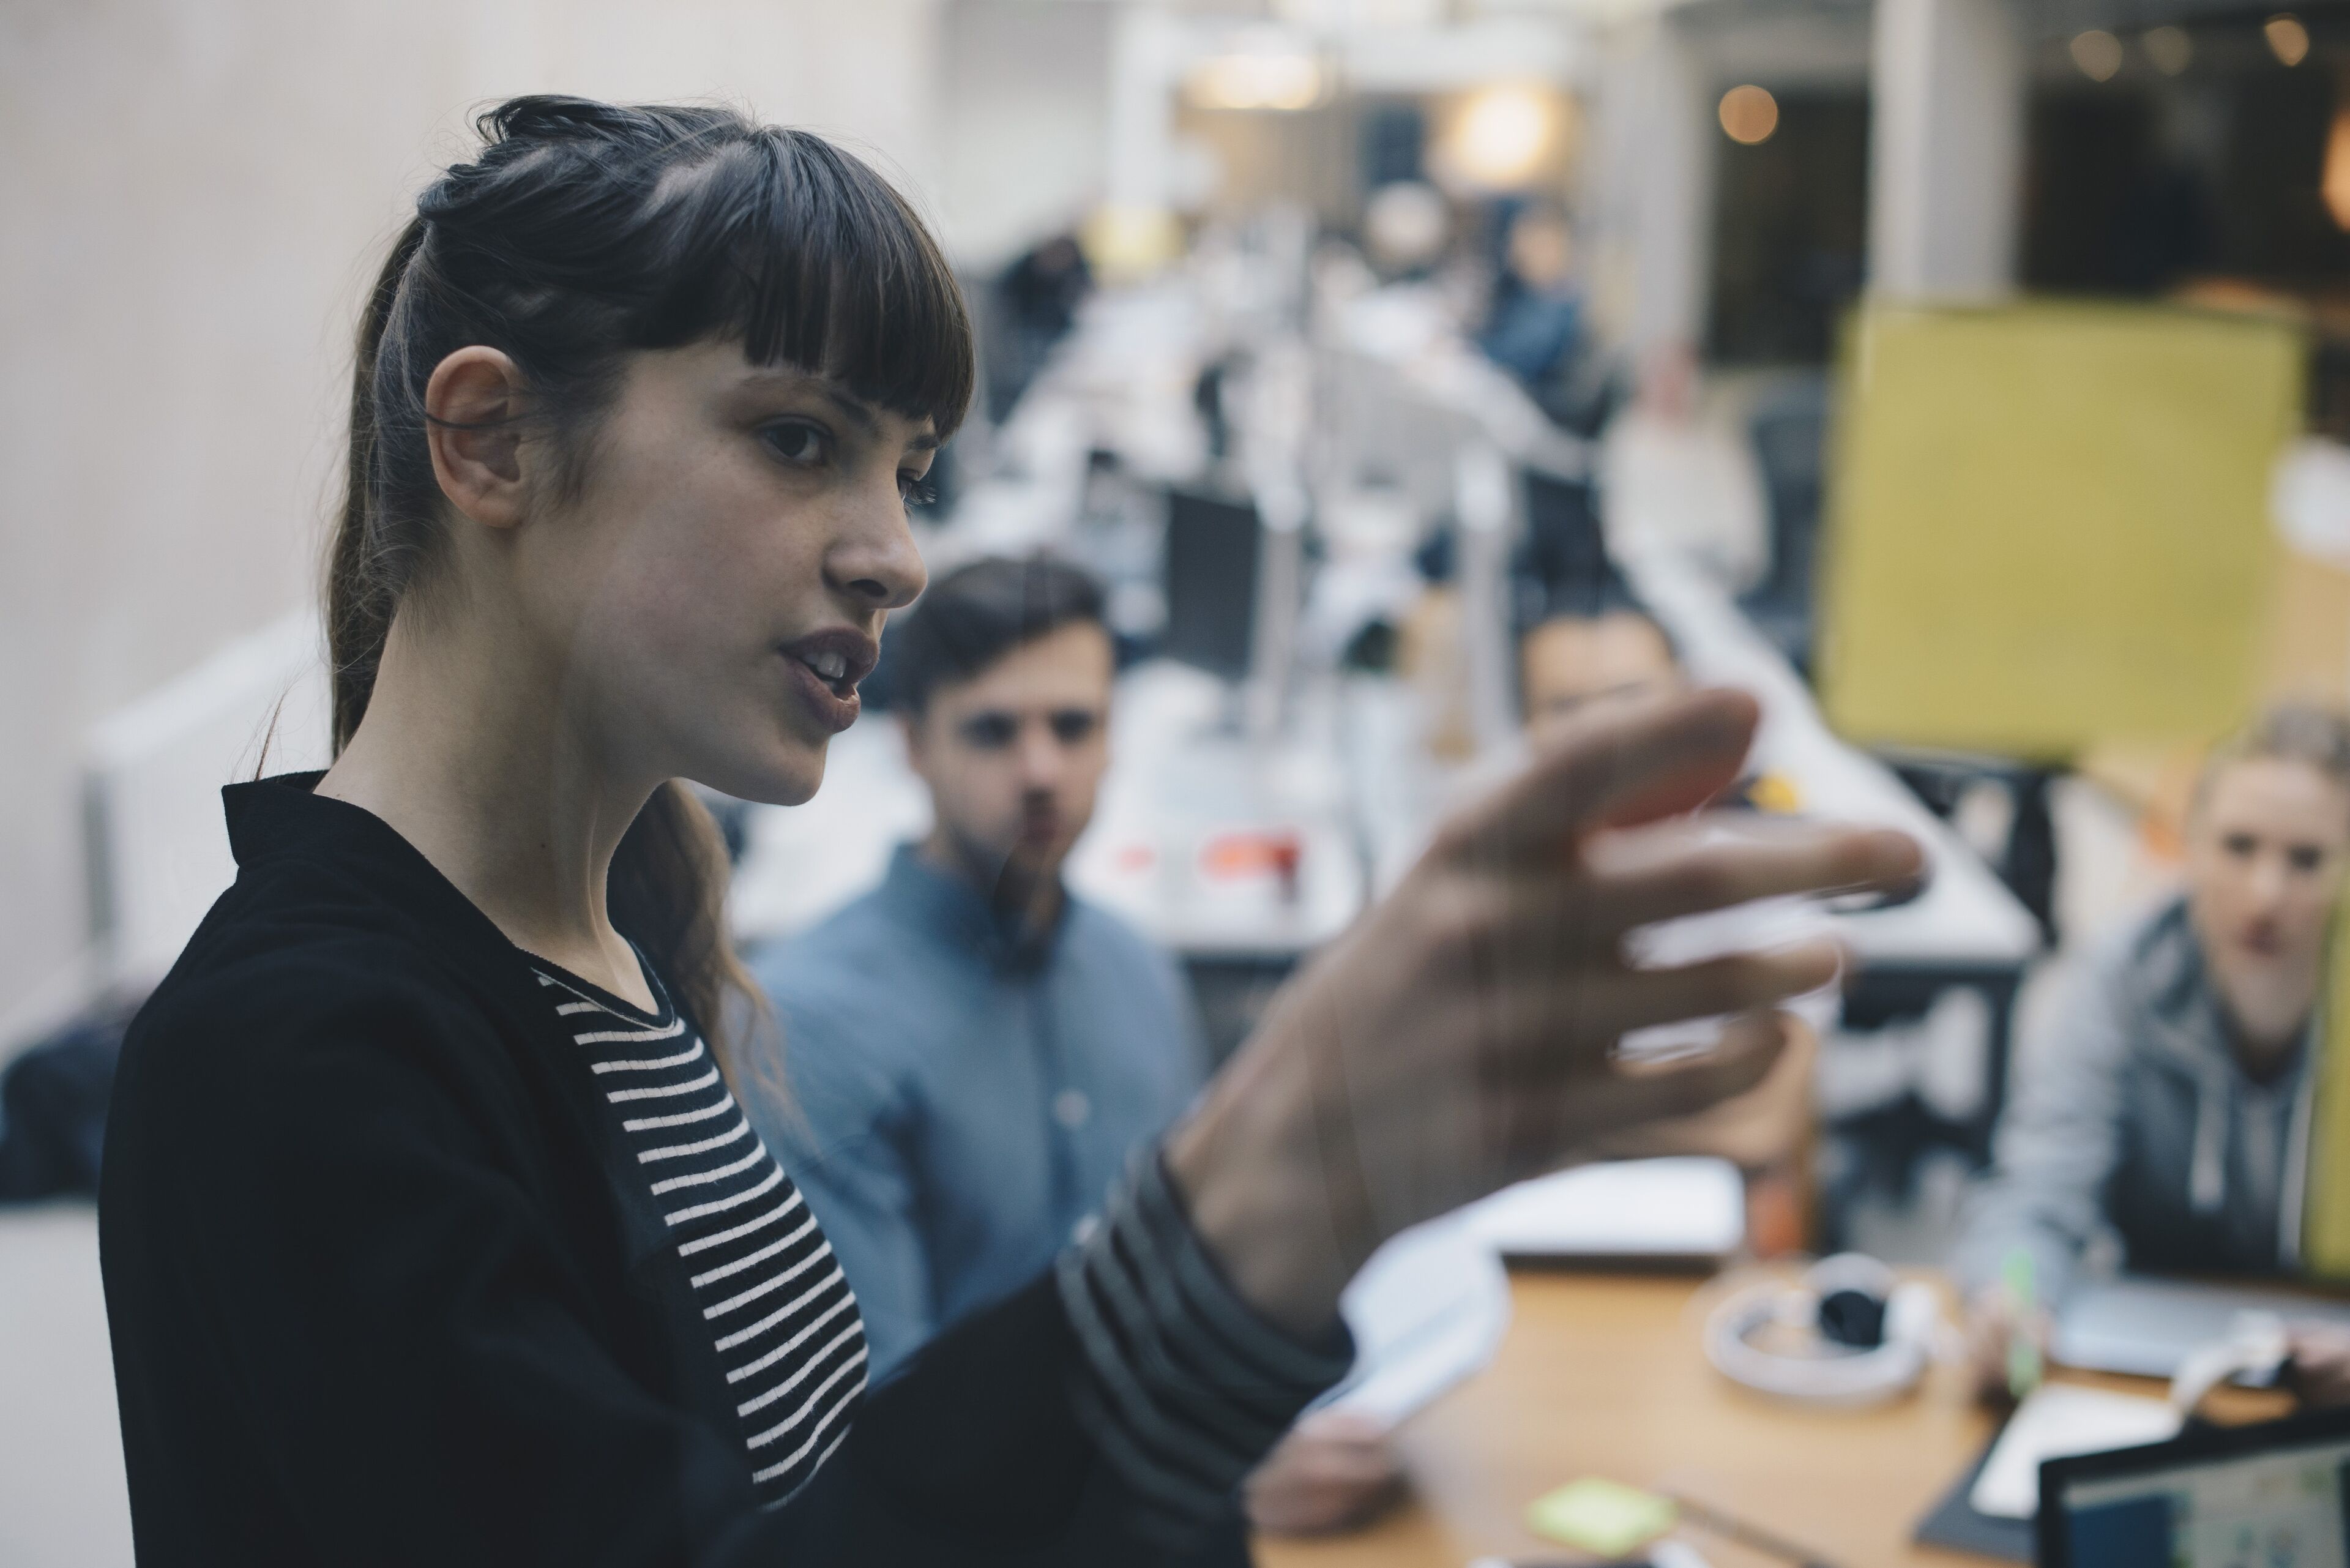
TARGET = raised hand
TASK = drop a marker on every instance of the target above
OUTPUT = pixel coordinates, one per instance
(1462, 1035)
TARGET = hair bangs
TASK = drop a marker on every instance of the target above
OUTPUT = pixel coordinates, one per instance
(807, 257)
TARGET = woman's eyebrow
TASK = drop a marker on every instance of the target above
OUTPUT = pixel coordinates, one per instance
(857, 410)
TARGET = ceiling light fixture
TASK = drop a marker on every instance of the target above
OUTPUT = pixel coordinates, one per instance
(2098, 54)
(1283, 79)
(1502, 136)
(2170, 49)
(1749, 115)
(2288, 39)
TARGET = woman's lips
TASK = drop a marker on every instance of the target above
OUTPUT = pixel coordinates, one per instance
(826, 666)
(828, 707)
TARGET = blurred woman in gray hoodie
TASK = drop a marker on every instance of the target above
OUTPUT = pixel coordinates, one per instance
(2167, 1105)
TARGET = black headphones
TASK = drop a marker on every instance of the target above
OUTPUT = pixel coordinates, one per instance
(1848, 1333)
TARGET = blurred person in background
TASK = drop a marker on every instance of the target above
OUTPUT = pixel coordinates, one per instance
(1571, 662)
(2167, 1102)
(973, 1053)
(1610, 653)
(1534, 325)
(1035, 302)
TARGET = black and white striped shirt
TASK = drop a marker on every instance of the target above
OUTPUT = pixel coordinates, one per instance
(780, 1314)
(1183, 1385)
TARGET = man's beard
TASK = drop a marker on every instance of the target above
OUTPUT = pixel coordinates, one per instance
(1022, 883)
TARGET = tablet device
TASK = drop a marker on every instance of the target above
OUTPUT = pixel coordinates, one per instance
(2274, 1495)
(2145, 1328)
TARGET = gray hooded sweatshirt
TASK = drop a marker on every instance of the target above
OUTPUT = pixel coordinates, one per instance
(2132, 1118)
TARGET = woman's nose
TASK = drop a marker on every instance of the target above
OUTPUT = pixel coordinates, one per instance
(874, 561)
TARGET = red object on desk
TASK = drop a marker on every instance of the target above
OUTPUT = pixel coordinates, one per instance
(1255, 852)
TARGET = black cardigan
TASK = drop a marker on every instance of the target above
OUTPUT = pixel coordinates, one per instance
(378, 1293)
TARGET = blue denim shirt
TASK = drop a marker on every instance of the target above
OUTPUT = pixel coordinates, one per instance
(959, 1103)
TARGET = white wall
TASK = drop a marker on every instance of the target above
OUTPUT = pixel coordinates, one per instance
(1024, 112)
(195, 191)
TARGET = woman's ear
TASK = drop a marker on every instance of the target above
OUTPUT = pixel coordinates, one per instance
(473, 407)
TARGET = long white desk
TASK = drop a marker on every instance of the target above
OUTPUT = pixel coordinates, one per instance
(1966, 917)
(1187, 841)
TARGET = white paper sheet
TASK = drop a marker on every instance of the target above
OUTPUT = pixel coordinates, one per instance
(1428, 1310)
(2055, 1421)
(1684, 1206)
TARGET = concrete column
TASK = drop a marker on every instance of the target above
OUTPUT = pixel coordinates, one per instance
(1653, 187)
(1945, 158)
(1147, 53)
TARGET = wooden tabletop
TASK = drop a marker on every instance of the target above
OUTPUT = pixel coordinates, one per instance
(1603, 1376)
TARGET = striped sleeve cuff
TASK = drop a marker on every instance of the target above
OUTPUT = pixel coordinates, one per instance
(1179, 1381)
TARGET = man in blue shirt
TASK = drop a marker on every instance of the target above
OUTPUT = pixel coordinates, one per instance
(972, 1054)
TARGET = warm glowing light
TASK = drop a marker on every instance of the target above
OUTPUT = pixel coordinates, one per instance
(2098, 54)
(2336, 182)
(2170, 49)
(1275, 78)
(1407, 224)
(2288, 39)
(1501, 135)
(1125, 243)
(1749, 115)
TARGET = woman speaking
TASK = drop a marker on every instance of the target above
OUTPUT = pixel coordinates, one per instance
(432, 1232)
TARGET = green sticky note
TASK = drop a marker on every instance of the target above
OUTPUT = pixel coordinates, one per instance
(1603, 1517)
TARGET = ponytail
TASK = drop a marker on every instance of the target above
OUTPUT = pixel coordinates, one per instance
(668, 891)
(360, 593)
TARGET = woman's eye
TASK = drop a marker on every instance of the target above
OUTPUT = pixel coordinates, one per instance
(796, 443)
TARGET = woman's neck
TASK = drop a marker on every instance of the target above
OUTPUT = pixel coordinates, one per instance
(467, 751)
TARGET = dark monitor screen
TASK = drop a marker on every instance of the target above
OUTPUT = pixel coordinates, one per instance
(1564, 547)
(2276, 1496)
(1213, 550)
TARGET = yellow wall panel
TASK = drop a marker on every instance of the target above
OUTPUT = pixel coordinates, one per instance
(2048, 523)
(2325, 1212)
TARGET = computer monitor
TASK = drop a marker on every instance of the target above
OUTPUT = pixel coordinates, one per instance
(1214, 558)
(1563, 552)
(2277, 1495)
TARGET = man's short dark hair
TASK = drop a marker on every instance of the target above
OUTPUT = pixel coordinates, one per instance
(975, 615)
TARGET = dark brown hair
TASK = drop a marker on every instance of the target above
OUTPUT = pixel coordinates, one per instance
(978, 613)
(581, 231)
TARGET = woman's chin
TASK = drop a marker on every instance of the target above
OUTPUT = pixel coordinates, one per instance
(789, 775)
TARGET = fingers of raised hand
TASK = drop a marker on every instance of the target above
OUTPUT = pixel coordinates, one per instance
(1545, 968)
(1767, 1124)
(1603, 1118)
(1616, 1004)
(1687, 868)
(1612, 769)
(1752, 1046)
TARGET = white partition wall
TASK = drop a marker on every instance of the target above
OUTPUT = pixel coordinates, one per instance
(1652, 189)
(1946, 160)
(156, 841)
